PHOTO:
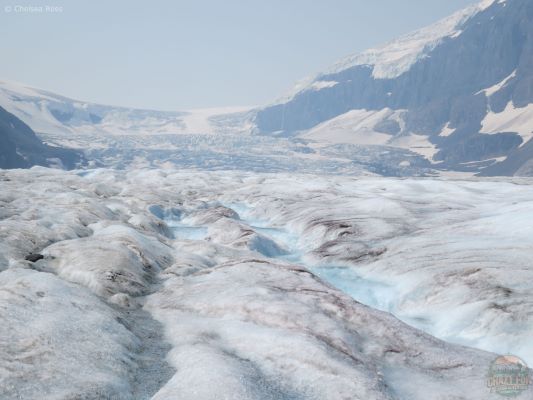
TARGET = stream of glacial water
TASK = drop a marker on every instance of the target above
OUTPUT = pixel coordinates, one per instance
(441, 323)
(371, 293)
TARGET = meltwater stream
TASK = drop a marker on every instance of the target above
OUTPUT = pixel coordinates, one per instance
(375, 294)
(371, 293)
(186, 232)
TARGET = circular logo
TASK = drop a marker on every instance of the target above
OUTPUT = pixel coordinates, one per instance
(508, 376)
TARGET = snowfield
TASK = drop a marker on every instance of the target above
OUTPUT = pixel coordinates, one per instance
(165, 284)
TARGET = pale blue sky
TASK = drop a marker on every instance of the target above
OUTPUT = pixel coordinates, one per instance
(181, 54)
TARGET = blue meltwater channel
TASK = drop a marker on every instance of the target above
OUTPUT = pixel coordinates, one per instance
(374, 294)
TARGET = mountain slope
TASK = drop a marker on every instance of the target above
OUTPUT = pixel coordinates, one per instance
(465, 84)
(20, 147)
(47, 112)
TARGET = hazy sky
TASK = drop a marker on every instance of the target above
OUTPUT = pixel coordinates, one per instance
(181, 54)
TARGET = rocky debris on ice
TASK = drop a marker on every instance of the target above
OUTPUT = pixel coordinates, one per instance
(33, 257)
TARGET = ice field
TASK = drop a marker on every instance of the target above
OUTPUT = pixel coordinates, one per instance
(158, 284)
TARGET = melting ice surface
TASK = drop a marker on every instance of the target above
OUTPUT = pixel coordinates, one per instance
(186, 232)
(372, 293)
(452, 325)
(231, 323)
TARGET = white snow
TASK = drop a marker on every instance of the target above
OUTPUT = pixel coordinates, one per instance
(446, 131)
(512, 119)
(358, 127)
(417, 143)
(355, 126)
(198, 121)
(497, 87)
(318, 85)
(24, 90)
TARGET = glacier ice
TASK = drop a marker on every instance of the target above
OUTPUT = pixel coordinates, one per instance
(207, 285)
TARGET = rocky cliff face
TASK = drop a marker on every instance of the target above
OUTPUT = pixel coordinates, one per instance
(20, 147)
(469, 91)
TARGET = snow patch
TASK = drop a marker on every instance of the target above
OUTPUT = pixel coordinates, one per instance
(493, 89)
(355, 126)
(198, 121)
(417, 143)
(358, 127)
(512, 119)
(319, 85)
(447, 131)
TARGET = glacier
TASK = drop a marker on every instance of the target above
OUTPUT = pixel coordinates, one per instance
(165, 283)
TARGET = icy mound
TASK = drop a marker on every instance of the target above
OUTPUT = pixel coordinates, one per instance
(115, 259)
(232, 233)
(275, 331)
(42, 207)
(58, 341)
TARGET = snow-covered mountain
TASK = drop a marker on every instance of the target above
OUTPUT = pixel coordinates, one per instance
(21, 148)
(211, 139)
(459, 92)
(455, 96)
(47, 112)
